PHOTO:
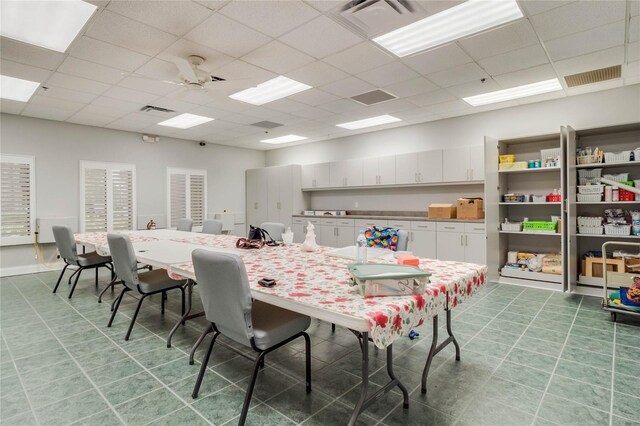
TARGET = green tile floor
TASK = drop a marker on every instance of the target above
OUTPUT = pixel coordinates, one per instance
(528, 357)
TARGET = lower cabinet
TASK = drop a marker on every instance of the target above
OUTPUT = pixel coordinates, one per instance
(337, 232)
(461, 242)
(422, 239)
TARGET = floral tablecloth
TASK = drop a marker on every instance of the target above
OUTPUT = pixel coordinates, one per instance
(99, 239)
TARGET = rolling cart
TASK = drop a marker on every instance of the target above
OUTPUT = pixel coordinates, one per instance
(619, 279)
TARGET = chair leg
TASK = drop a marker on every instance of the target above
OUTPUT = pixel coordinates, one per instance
(307, 352)
(60, 277)
(73, 275)
(333, 328)
(203, 367)
(252, 383)
(183, 304)
(116, 306)
(110, 285)
(96, 277)
(135, 315)
(164, 294)
(198, 342)
(75, 283)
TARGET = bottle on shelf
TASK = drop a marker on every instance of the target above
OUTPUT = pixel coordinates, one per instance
(616, 194)
(361, 245)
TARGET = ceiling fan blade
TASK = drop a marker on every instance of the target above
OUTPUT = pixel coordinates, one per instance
(231, 84)
(185, 68)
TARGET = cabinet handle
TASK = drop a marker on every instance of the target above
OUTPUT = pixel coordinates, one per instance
(411, 234)
(466, 240)
(255, 206)
(461, 238)
(415, 177)
(449, 227)
(419, 177)
(471, 174)
(337, 232)
(278, 205)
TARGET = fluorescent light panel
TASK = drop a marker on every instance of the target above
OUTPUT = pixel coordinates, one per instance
(17, 89)
(369, 122)
(284, 139)
(514, 93)
(49, 24)
(185, 121)
(274, 89)
(470, 17)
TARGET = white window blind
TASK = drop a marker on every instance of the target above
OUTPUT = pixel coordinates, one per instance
(17, 199)
(187, 195)
(108, 197)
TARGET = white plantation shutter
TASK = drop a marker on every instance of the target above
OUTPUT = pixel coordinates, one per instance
(107, 197)
(187, 195)
(17, 199)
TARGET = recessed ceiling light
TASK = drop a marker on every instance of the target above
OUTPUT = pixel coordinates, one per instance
(284, 139)
(369, 122)
(17, 89)
(470, 17)
(276, 88)
(49, 24)
(514, 93)
(184, 121)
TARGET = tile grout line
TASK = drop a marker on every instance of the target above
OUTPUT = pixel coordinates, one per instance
(613, 375)
(24, 389)
(555, 367)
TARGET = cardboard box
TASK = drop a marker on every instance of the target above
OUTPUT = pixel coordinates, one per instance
(470, 208)
(442, 211)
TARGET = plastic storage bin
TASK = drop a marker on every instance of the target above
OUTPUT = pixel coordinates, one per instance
(511, 226)
(590, 230)
(589, 180)
(589, 159)
(517, 165)
(589, 173)
(539, 198)
(539, 226)
(610, 229)
(506, 158)
(514, 198)
(625, 195)
(589, 198)
(620, 177)
(591, 189)
(388, 280)
(590, 221)
(617, 157)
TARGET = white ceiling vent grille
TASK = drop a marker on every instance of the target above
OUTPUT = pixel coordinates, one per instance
(373, 97)
(374, 17)
(593, 76)
(267, 124)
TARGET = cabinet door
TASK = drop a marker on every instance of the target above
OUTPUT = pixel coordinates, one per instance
(323, 175)
(370, 171)
(423, 244)
(345, 236)
(386, 171)
(285, 202)
(475, 248)
(298, 232)
(327, 235)
(353, 172)
(449, 246)
(476, 162)
(273, 194)
(455, 164)
(430, 166)
(308, 175)
(407, 168)
(337, 173)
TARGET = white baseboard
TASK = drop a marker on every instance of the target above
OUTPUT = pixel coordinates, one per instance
(29, 269)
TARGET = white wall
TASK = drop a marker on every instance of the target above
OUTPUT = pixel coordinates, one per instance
(58, 148)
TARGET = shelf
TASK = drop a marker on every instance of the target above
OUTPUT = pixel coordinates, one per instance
(530, 233)
(531, 204)
(604, 165)
(528, 275)
(537, 170)
(396, 185)
(607, 202)
(613, 237)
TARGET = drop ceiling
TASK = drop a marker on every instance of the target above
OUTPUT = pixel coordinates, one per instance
(118, 63)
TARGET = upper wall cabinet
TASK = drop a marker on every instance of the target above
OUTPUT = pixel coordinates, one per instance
(379, 171)
(420, 167)
(463, 164)
(316, 175)
(346, 173)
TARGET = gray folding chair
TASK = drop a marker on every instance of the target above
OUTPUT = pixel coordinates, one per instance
(226, 297)
(274, 229)
(145, 284)
(403, 240)
(212, 227)
(185, 224)
(66, 244)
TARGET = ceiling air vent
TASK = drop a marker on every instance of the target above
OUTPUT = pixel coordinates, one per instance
(149, 108)
(374, 17)
(593, 76)
(373, 97)
(267, 124)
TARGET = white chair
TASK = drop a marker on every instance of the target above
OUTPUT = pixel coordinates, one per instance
(274, 229)
(185, 224)
(212, 226)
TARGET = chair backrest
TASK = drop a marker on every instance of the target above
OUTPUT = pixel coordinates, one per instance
(212, 227)
(274, 229)
(224, 289)
(403, 240)
(124, 259)
(65, 242)
(185, 225)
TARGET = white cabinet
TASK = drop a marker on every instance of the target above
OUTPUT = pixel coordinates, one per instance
(463, 164)
(407, 168)
(316, 175)
(475, 243)
(346, 173)
(422, 239)
(345, 236)
(476, 162)
(430, 166)
(256, 197)
(450, 241)
(378, 171)
(336, 232)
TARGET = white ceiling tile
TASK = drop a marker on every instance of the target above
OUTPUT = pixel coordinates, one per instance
(633, 51)
(193, 96)
(317, 74)
(333, 35)
(146, 118)
(148, 85)
(448, 107)
(313, 113)
(535, 7)
(435, 60)
(286, 105)
(207, 111)
(313, 97)
(154, 129)
(224, 35)
(197, 132)
(325, 5)
(121, 31)
(107, 54)
(175, 17)
(634, 29)
(458, 75)
(348, 87)
(431, 98)
(90, 70)
(67, 94)
(46, 112)
(213, 4)
(597, 60)
(130, 95)
(475, 87)
(220, 125)
(589, 41)
(184, 48)
(359, 58)
(76, 83)
(90, 119)
(53, 103)
(126, 124)
(277, 57)
(391, 73)
(522, 77)
(238, 70)
(11, 107)
(632, 69)
(411, 87)
(526, 57)
(158, 69)
(500, 40)
(340, 106)
(175, 104)
(577, 16)
(391, 107)
(243, 119)
(273, 18)
(116, 104)
(29, 54)
(107, 112)
(540, 98)
(25, 72)
(229, 104)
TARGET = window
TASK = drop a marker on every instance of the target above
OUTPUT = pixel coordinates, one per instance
(186, 195)
(107, 197)
(17, 199)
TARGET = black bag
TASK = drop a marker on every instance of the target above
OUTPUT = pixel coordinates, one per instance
(260, 234)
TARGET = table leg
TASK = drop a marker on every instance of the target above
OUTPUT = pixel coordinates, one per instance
(435, 348)
(185, 315)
